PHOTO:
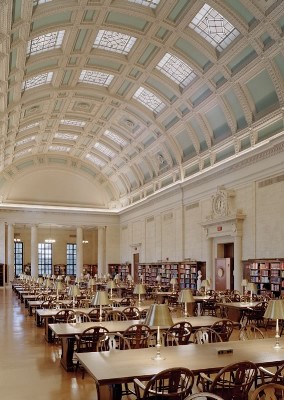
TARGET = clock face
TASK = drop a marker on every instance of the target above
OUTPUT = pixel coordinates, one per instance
(219, 204)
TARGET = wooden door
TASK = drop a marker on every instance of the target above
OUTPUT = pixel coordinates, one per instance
(223, 274)
(135, 266)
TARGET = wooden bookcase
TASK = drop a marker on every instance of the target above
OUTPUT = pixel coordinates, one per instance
(59, 269)
(122, 269)
(91, 269)
(185, 272)
(264, 271)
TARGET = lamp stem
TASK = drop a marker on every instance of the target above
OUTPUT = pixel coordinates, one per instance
(139, 300)
(73, 301)
(185, 310)
(101, 315)
(158, 346)
(277, 336)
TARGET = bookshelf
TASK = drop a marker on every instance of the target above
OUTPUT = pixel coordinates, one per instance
(122, 269)
(266, 271)
(185, 272)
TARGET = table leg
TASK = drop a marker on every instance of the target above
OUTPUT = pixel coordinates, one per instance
(47, 331)
(67, 344)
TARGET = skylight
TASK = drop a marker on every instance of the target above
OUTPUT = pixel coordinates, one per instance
(95, 160)
(176, 69)
(49, 41)
(66, 136)
(24, 128)
(38, 80)
(114, 41)
(149, 100)
(116, 138)
(146, 3)
(25, 140)
(37, 2)
(214, 27)
(73, 122)
(95, 77)
(59, 148)
(105, 150)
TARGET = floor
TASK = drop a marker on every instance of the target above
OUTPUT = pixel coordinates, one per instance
(30, 367)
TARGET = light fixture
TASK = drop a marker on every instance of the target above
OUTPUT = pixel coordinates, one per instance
(275, 310)
(139, 289)
(50, 239)
(185, 297)
(244, 285)
(111, 285)
(173, 282)
(251, 287)
(206, 284)
(74, 291)
(158, 315)
(100, 299)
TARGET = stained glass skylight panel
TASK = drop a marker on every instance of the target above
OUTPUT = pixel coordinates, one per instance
(176, 69)
(146, 3)
(24, 128)
(105, 150)
(149, 100)
(37, 80)
(214, 27)
(65, 136)
(49, 41)
(64, 149)
(116, 138)
(95, 77)
(114, 41)
(22, 153)
(73, 122)
(25, 140)
(95, 160)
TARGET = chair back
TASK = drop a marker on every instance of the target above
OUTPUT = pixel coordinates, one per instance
(94, 338)
(132, 312)
(204, 396)
(116, 315)
(78, 317)
(268, 391)
(250, 332)
(206, 335)
(63, 315)
(138, 335)
(224, 327)
(234, 381)
(181, 332)
(173, 384)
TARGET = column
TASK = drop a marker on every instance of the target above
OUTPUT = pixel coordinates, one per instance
(101, 250)
(34, 251)
(238, 268)
(79, 263)
(11, 253)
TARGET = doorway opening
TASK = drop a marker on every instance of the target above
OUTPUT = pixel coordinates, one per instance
(224, 266)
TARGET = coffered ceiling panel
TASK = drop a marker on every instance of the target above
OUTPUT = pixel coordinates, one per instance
(134, 95)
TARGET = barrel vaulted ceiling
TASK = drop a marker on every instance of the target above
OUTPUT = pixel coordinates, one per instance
(133, 96)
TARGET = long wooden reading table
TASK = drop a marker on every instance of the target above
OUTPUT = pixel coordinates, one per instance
(67, 332)
(110, 368)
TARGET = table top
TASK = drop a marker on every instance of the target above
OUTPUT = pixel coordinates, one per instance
(50, 312)
(239, 304)
(110, 367)
(72, 329)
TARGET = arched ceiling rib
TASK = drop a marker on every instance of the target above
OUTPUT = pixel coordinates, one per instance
(132, 92)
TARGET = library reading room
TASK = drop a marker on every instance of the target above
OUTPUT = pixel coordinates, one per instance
(142, 199)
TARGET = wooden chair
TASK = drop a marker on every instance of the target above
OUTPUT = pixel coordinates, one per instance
(63, 315)
(92, 339)
(224, 327)
(268, 391)
(268, 376)
(78, 317)
(180, 332)
(210, 307)
(127, 301)
(172, 383)
(115, 315)
(232, 382)
(94, 314)
(250, 332)
(204, 396)
(206, 335)
(138, 335)
(254, 315)
(132, 312)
